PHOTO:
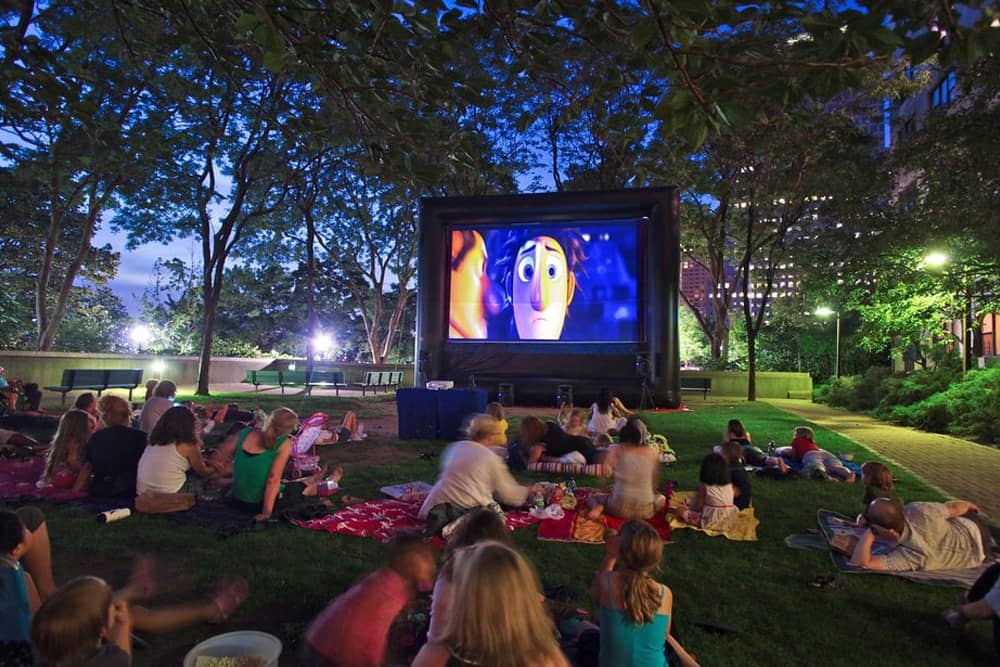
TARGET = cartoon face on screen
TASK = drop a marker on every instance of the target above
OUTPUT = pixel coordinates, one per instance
(539, 274)
(469, 283)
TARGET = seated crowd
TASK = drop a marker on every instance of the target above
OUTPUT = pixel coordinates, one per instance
(500, 618)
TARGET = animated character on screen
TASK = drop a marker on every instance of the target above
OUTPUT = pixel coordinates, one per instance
(469, 284)
(539, 274)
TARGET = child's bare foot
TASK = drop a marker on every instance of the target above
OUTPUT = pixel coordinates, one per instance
(227, 599)
(142, 582)
(337, 474)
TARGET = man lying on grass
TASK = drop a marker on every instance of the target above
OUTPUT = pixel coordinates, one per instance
(926, 536)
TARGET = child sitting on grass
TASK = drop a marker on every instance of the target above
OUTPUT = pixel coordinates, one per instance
(477, 526)
(636, 611)
(499, 438)
(732, 451)
(65, 462)
(712, 507)
(353, 630)
(18, 596)
(81, 625)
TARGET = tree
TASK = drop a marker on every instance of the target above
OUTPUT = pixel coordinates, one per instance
(73, 118)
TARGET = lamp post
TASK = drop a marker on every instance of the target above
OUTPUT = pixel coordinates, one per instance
(938, 260)
(824, 312)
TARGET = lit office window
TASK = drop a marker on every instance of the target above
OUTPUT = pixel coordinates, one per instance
(944, 93)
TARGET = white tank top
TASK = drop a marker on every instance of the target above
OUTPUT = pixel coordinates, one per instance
(161, 469)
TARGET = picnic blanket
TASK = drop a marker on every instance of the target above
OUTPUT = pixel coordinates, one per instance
(19, 477)
(842, 534)
(574, 526)
(384, 518)
(744, 530)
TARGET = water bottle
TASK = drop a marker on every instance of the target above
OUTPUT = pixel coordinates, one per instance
(114, 515)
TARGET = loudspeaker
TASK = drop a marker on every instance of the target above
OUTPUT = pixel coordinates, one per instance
(643, 369)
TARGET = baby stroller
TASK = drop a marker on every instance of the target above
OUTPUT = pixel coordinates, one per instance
(304, 459)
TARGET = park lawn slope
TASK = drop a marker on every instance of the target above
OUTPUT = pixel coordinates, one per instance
(760, 587)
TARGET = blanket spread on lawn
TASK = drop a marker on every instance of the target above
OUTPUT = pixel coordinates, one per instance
(18, 479)
(744, 530)
(384, 518)
(841, 533)
(576, 527)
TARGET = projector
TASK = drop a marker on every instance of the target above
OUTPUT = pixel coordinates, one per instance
(440, 384)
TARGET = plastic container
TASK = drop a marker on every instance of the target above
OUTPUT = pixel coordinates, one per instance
(240, 643)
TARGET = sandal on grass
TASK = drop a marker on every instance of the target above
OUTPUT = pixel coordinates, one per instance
(228, 598)
(826, 583)
(953, 617)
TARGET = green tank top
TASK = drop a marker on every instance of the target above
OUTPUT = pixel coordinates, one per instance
(250, 470)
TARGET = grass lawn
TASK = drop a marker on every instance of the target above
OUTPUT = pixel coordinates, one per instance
(759, 587)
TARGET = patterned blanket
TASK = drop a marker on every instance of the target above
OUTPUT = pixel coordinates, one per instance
(576, 527)
(382, 519)
(18, 479)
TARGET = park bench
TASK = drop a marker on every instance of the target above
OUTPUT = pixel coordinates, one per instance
(98, 380)
(286, 378)
(704, 385)
(376, 380)
(257, 378)
(320, 378)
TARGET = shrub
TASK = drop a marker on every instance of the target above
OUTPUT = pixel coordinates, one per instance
(909, 388)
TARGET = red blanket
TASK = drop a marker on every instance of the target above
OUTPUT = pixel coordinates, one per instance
(18, 480)
(575, 527)
(382, 519)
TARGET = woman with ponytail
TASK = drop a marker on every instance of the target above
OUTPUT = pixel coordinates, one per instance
(259, 461)
(635, 609)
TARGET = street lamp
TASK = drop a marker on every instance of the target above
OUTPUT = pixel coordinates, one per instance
(824, 312)
(322, 343)
(140, 334)
(938, 260)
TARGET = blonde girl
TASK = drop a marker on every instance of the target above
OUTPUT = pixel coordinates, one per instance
(498, 620)
(499, 438)
(80, 624)
(635, 610)
(260, 460)
(64, 464)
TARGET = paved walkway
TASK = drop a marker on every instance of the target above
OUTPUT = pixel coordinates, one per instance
(957, 467)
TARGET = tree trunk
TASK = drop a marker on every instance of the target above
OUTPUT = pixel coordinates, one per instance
(207, 336)
(751, 364)
(310, 288)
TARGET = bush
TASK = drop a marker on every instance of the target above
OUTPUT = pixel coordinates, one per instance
(856, 392)
(903, 389)
(970, 408)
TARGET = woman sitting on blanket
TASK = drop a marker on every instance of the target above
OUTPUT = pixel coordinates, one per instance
(637, 474)
(636, 611)
(260, 459)
(608, 414)
(815, 461)
(174, 448)
(65, 467)
(471, 476)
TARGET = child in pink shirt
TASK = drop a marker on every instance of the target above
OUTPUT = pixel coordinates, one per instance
(353, 630)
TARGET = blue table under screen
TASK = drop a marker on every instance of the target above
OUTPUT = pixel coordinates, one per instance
(426, 414)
